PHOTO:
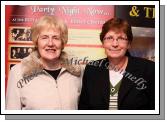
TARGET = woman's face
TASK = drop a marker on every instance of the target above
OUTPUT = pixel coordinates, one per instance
(49, 44)
(115, 44)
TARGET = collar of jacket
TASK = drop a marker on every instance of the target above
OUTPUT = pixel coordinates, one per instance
(32, 64)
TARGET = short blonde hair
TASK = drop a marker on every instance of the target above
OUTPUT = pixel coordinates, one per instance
(50, 22)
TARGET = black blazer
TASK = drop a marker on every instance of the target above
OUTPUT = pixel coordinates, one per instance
(134, 93)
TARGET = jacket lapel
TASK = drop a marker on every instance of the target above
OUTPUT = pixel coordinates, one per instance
(106, 87)
(106, 83)
(127, 84)
(125, 87)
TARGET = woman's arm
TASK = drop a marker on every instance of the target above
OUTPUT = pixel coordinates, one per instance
(12, 93)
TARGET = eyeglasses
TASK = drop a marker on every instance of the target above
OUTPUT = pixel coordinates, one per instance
(119, 39)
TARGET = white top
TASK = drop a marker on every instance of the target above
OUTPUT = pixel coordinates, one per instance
(113, 103)
(115, 77)
(42, 91)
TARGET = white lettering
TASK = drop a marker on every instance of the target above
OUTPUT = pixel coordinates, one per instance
(48, 10)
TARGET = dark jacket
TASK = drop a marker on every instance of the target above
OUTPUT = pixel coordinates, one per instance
(137, 90)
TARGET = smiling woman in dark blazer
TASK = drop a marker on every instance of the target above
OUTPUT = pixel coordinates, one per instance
(120, 81)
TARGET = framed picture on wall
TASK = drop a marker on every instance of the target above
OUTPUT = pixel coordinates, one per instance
(20, 34)
(19, 52)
